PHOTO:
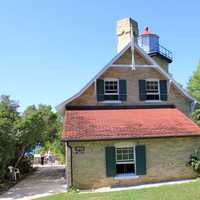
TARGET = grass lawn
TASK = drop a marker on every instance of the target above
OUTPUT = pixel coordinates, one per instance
(186, 191)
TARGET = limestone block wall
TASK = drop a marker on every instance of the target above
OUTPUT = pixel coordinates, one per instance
(132, 77)
(166, 158)
(162, 62)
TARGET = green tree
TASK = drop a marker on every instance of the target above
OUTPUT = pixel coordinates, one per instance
(38, 125)
(20, 133)
(196, 116)
(53, 122)
(52, 132)
(194, 83)
(29, 128)
(8, 117)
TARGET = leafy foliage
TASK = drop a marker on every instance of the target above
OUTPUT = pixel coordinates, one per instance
(196, 116)
(56, 147)
(38, 125)
(194, 83)
(195, 160)
(20, 133)
(53, 128)
(29, 132)
(8, 116)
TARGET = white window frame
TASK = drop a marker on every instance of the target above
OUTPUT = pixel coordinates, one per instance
(111, 79)
(152, 93)
(126, 175)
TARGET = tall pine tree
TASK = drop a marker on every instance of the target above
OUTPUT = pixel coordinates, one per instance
(194, 83)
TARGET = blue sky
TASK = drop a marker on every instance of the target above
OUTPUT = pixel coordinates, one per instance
(50, 49)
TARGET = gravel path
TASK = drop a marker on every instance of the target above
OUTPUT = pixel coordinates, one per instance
(45, 181)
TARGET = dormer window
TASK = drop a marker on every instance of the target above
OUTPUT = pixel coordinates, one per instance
(111, 90)
(111, 87)
(152, 90)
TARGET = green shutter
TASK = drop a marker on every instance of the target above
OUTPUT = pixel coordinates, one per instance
(100, 90)
(142, 90)
(122, 90)
(140, 151)
(163, 90)
(110, 161)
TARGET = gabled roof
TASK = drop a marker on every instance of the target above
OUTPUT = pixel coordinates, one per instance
(126, 124)
(153, 64)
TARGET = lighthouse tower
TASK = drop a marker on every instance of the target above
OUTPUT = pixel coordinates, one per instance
(149, 42)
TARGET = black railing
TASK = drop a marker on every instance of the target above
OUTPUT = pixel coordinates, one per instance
(163, 51)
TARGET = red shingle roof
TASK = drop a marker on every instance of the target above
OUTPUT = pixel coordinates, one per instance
(127, 123)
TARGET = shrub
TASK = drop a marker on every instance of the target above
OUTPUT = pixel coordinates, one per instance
(25, 165)
(195, 160)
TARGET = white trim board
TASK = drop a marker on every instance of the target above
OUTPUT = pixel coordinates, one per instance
(153, 64)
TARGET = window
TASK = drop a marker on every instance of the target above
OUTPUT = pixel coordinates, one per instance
(111, 87)
(111, 90)
(125, 161)
(152, 90)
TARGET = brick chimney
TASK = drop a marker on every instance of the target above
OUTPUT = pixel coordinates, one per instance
(126, 27)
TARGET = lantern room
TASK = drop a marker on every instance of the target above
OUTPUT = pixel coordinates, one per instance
(149, 42)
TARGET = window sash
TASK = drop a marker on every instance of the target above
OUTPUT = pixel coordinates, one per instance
(128, 162)
(154, 89)
(130, 159)
(152, 86)
(126, 154)
(111, 87)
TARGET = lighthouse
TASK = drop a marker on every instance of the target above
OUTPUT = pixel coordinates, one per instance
(149, 42)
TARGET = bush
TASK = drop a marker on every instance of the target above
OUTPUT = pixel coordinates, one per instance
(25, 165)
(195, 160)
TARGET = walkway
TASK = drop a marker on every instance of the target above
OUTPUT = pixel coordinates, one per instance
(45, 181)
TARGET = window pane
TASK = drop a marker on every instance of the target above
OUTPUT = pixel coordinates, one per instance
(131, 156)
(111, 87)
(119, 157)
(125, 157)
(152, 90)
(125, 154)
(125, 168)
(152, 86)
(125, 150)
(152, 97)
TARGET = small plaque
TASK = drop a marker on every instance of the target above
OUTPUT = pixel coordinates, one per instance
(80, 150)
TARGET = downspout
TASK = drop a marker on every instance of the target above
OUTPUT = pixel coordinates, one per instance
(70, 147)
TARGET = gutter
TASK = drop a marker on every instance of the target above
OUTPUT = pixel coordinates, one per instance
(129, 138)
(71, 170)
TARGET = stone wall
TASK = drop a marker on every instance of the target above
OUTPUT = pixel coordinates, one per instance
(132, 77)
(126, 58)
(162, 63)
(167, 159)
